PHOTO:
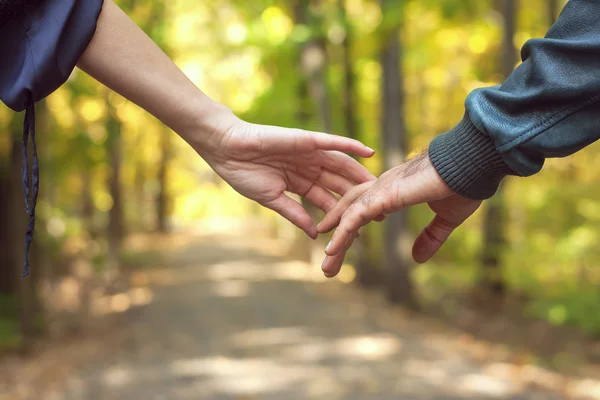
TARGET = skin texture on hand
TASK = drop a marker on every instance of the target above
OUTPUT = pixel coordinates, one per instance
(411, 183)
(260, 162)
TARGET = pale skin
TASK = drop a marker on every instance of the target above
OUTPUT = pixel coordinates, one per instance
(414, 182)
(260, 162)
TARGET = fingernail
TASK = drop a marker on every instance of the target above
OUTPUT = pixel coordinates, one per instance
(323, 263)
(329, 245)
(371, 149)
(319, 224)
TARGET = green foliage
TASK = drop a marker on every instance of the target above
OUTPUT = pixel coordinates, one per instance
(9, 322)
(577, 308)
(9, 333)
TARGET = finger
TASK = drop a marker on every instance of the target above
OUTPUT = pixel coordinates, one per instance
(343, 164)
(336, 183)
(302, 140)
(332, 219)
(431, 239)
(321, 198)
(379, 218)
(332, 265)
(293, 212)
(361, 212)
(326, 141)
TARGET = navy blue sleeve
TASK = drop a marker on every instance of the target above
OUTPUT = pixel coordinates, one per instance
(40, 44)
(39, 50)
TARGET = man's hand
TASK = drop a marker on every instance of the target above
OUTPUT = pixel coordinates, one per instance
(263, 162)
(413, 182)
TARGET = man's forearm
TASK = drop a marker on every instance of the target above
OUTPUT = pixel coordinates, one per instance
(125, 59)
(548, 107)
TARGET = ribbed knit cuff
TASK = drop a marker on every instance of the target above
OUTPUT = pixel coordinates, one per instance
(467, 160)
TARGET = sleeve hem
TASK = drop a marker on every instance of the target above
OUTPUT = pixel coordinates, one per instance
(468, 161)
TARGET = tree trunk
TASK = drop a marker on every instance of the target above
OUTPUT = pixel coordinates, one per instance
(396, 263)
(162, 197)
(366, 274)
(7, 283)
(311, 88)
(116, 226)
(494, 240)
(138, 212)
(87, 203)
(13, 213)
(6, 286)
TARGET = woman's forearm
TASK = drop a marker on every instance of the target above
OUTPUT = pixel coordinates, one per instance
(125, 59)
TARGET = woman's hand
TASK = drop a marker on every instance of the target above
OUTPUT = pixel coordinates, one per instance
(260, 162)
(413, 182)
(263, 162)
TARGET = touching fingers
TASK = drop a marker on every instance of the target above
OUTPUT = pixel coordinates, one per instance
(335, 182)
(364, 209)
(431, 239)
(293, 212)
(321, 198)
(333, 217)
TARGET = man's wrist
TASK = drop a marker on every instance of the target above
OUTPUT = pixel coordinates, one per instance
(431, 185)
(468, 162)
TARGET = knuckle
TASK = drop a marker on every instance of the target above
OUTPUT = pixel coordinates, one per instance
(431, 236)
(352, 210)
(329, 205)
(368, 199)
(444, 225)
(354, 192)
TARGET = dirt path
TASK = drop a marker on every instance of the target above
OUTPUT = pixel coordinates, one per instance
(230, 320)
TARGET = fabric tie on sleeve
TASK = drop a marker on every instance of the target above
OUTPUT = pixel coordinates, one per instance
(31, 191)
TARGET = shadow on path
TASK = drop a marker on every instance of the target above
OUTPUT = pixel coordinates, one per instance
(230, 321)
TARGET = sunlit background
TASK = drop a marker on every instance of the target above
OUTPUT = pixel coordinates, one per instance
(120, 193)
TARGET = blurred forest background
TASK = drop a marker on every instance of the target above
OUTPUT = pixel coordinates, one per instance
(390, 73)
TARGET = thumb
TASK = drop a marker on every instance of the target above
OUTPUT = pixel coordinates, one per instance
(431, 239)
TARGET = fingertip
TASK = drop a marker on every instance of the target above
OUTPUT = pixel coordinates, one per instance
(324, 227)
(379, 218)
(306, 224)
(366, 152)
(307, 227)
(329, 270)
(360, 150)
(419, 252)
(420, 259)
